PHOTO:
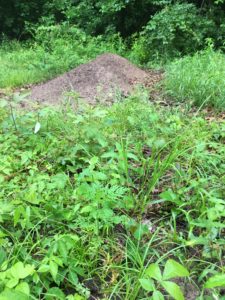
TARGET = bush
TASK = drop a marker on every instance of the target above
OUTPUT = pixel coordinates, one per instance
(199, 78)
(177, 29)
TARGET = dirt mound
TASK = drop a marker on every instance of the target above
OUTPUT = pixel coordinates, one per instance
(98, 80)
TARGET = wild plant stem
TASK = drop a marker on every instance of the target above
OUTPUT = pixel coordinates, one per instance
(12, 115)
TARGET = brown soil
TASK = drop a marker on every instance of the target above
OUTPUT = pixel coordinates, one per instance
(98, 80)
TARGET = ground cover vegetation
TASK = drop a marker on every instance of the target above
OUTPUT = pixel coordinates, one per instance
(199, 79)
(120, 202)
(56, 49)
(83, 216)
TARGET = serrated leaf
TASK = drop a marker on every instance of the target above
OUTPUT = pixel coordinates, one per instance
(147, 284)
(174, 269)
(157, 295)
(215, 281)
(173, 289)
(154, 271)
(37, 127)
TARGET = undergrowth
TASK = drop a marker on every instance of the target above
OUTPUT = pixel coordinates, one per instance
(56, 49)
(198, 79)
(95, 204)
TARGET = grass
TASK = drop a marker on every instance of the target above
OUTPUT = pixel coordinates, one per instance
(92, 199)
(198, 79)
(53, 53)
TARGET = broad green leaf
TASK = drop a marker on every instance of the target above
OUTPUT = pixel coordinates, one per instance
(157, 295)
(87, 209)
(53, 269)
(54, 293)
(3, 276)
(58, 181)
(153, 271)
(94, 160)
(57, 260)
(215, 281)
(170, 196)
(12, 283)
(24, 288)
(36, 278)
(174, 269)
(14, 295)
(20, 271)
(73, 278)
(147, 284)
(173, 289)
(43, 269)
(62, 249)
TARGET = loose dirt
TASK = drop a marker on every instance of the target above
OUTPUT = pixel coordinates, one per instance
(97, 81)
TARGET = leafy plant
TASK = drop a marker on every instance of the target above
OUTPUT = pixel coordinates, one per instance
(173, 31)
(172, 270)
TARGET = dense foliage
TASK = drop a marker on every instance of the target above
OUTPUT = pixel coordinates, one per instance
(164, 26)
(176, 30)
(85, 217)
